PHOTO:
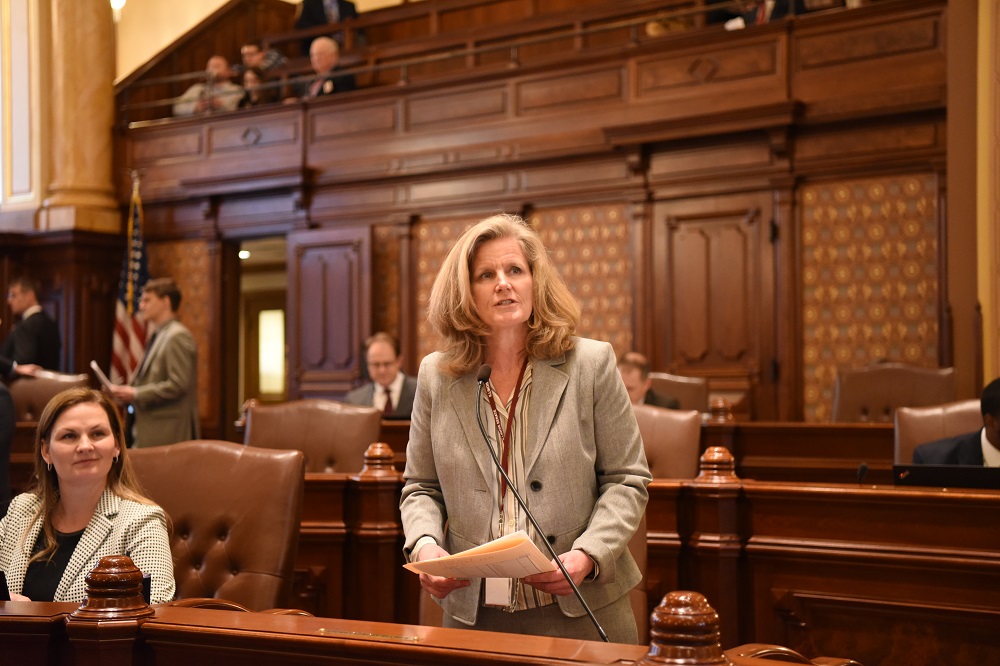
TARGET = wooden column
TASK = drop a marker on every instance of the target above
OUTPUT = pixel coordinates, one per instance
(80, 193)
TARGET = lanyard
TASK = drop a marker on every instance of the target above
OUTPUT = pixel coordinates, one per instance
(510, 423)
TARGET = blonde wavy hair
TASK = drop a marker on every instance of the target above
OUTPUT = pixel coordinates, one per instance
(121, 479)
(453, 315)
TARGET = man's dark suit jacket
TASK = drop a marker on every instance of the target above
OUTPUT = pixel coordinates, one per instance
(338, 83)
(365, 397)
(313, 13)
(33, 340)
(660, 400)
(962, 450)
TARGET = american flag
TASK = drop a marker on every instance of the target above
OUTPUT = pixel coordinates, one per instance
(129, 340)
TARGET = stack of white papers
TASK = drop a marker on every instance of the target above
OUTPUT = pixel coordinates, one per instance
(511, 556)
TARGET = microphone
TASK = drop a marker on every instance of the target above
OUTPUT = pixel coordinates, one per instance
(862, 471)
(482, 377)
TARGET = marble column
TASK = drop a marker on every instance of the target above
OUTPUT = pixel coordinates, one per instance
(80, 193)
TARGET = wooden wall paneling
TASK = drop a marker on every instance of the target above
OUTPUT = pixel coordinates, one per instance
(329, 309)
(715, 293)
(784, 402)
(843, 67)
(869, 278)
(78, 272)
(247, 151)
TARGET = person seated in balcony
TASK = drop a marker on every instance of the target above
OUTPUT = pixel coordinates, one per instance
(252, 54)
(314, 13)
(216, 93)
(752, 12)
(258, 89)
(981, 447)
(324, 56)
(634, 369)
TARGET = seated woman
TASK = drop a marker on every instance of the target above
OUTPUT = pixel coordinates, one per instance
(257, 92)
(86, 504)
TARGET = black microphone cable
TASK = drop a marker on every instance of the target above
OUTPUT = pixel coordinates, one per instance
(482, 377)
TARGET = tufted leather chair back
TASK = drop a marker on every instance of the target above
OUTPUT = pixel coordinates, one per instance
(235, 513)
(672, 439)
(31, 394)
(691, 392)
(333, 436)
(919, 425)
(872, 394)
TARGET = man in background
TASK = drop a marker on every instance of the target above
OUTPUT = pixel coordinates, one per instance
(216, 93)
(390, 391)
(634, 369)
(312, 13)
(163, 393)
(981, 447)
(34, 341)
(324, 56)
(252, 54)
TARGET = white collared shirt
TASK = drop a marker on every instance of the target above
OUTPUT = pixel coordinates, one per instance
(30, 311)
(395, 390)
(991, 455)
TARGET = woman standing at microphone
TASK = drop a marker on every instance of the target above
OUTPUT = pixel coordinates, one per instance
(558, 417)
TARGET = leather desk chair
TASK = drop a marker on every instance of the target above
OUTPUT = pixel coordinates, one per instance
(672, 440)
(919, 425)
(873, 393)
(691, 392)
(235, 514)
(333, 436)
(31, 394)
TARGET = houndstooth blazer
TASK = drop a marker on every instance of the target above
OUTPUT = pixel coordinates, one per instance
(119, 527)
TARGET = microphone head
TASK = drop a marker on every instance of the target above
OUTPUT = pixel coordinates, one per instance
(862, 471)
(483, 375)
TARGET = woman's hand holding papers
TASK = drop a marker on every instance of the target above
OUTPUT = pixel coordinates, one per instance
(438, 586)
(578, 564)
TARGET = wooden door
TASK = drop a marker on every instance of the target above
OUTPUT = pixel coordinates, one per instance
(714, 296)
(329, 309)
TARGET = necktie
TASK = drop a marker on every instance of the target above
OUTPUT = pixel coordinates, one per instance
(387, 410)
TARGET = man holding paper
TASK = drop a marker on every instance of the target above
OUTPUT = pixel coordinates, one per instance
(559, 419)
(164, 389)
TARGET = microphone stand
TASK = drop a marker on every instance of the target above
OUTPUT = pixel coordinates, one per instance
(520, 501)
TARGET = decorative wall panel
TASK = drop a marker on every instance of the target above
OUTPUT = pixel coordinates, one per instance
(192, 266)
(387, 288)
(870, 277)
(590, 248)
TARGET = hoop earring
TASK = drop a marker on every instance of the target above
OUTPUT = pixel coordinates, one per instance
(50, 467)
(115, 460)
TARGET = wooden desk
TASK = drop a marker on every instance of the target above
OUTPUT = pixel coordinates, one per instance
(805, 452)
(117, 632)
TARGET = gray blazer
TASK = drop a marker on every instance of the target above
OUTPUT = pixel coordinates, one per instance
(584, 459)
(166, 389)
(119, 527)
(365, 396)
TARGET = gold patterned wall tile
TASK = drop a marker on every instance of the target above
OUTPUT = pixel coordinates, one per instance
(590, 248)
(192, 265)
(869, 279)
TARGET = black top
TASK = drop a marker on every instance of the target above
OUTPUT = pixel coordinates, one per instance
(32, 340)
(43, 576)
